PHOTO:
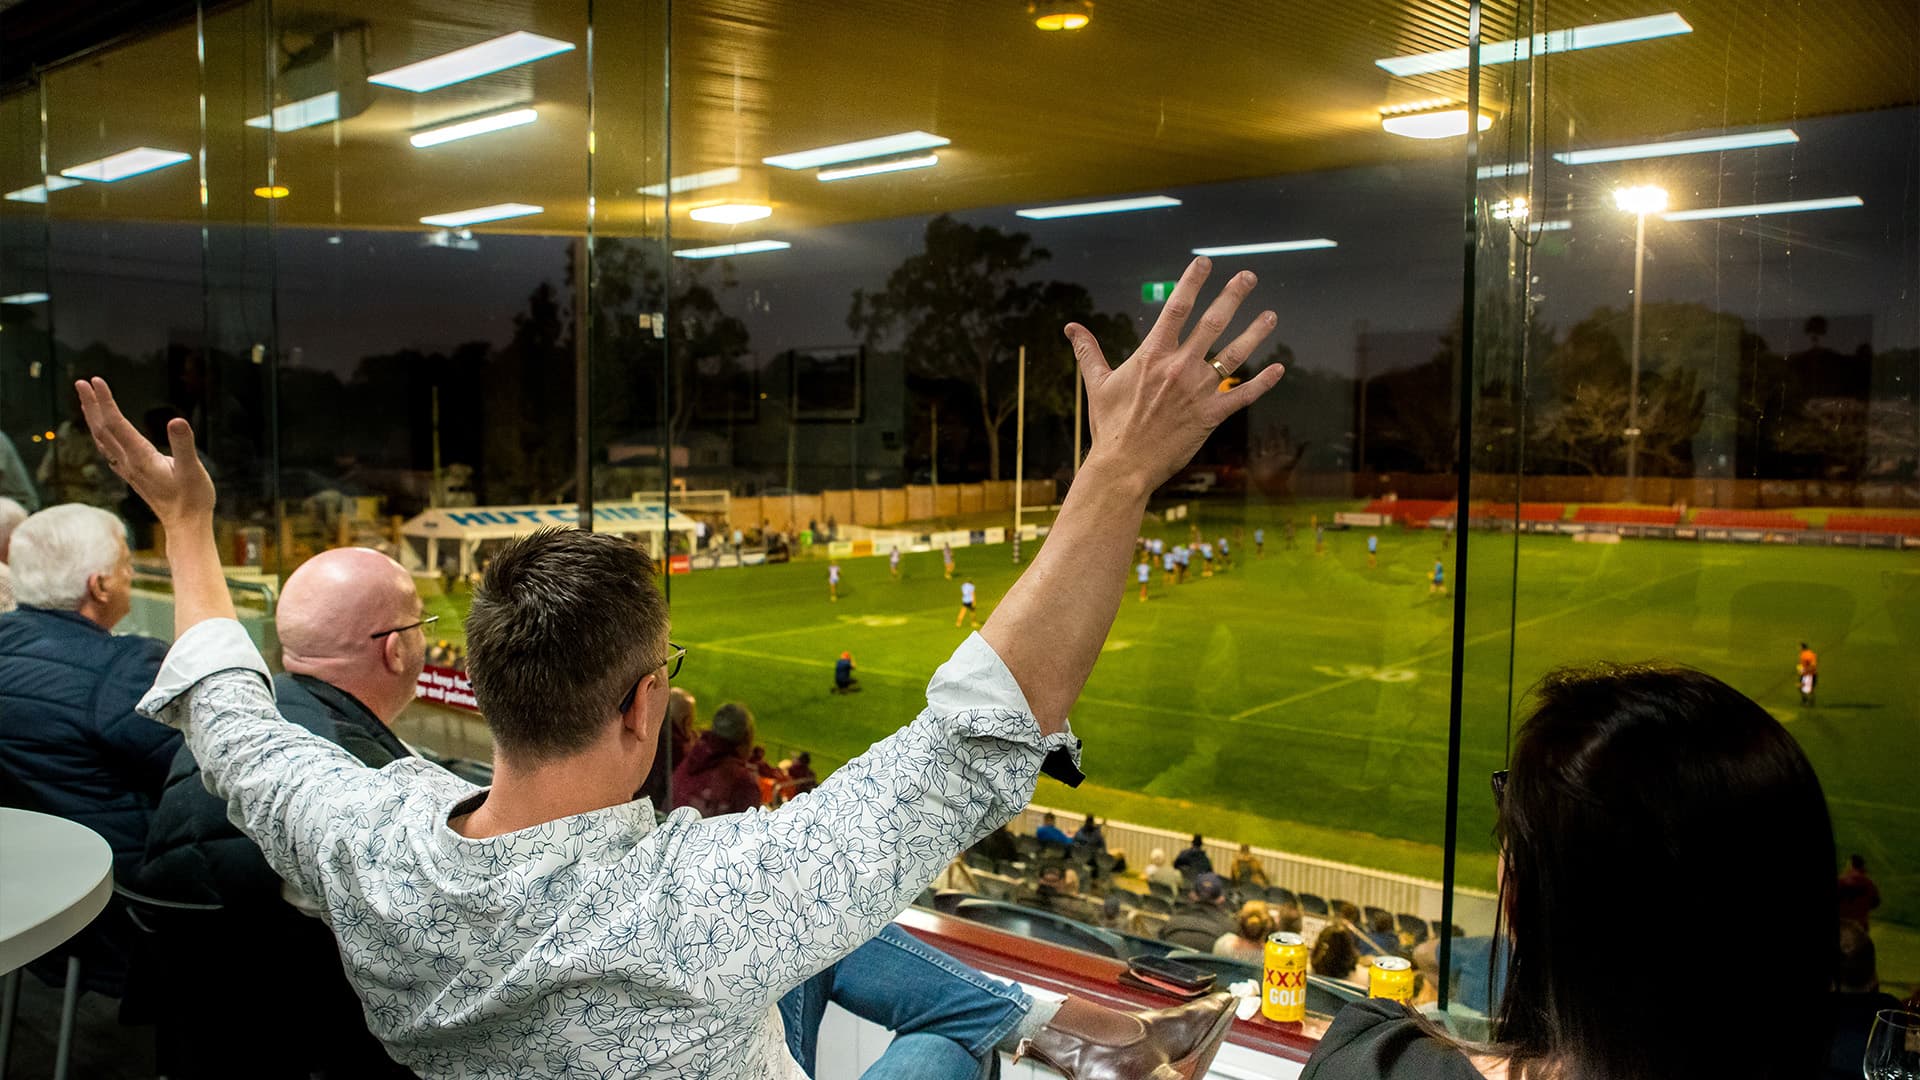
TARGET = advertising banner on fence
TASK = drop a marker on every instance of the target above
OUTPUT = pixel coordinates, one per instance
(445, 686)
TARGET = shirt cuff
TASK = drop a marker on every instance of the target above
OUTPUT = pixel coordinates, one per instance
(207, 648)
(975, 679)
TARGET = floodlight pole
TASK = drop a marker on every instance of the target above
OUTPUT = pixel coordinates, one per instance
(1633, 352)
(1019, 450)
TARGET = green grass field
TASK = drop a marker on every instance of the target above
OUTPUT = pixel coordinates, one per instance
(1300, 702)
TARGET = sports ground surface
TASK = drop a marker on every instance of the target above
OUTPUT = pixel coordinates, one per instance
(1300, 702)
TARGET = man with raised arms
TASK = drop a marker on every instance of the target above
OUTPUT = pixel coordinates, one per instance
(546, 925)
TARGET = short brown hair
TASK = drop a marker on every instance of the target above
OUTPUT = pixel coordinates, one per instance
(564, 621)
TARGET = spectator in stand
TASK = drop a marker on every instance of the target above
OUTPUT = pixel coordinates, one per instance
(1426, 966)
(1855, 999)
(1193, 861)
(1202, 917)
(1247, 871)
(70, 740)
(1335, 953)
(843, 680)
(1114, 915)
(1286, 917)
(1248, 939)
(1056, 880)
(800, 777)
(1089, 834)
(1383, 935)
(1611, 756)
(1159, 873)
(1858, 895)
(11, 515)
(1050, 832)
(15, 484)
(717, 778)
(999, 846)
(69, 734)
(772, 781)
(353, 639)
(675, 743)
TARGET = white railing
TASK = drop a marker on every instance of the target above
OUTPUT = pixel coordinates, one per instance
(1398, 893)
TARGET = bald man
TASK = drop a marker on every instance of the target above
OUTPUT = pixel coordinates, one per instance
(353, 639)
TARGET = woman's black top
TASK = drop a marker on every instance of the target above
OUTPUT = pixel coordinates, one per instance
(1377, 1038)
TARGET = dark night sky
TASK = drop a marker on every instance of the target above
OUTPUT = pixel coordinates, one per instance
(1398, 265)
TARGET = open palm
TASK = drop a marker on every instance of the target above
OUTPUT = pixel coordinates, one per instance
(177, 487)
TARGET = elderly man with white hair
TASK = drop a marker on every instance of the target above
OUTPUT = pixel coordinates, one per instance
(11, 515)
(69, 735)
(352, 639)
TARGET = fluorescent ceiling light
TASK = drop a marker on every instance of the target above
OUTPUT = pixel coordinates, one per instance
(1436, 124)
(903, 143)
(467, 129)
(693, 182)
(319, 109)
(126, 163)
(1559, 225)
(499, 54)
(1708, 145)
(1111, 206)
(1506, 52)
(1501, 172)
(848, 172)
(499, 212)
(749, 248)
(38, 192)
(731, 213)
(25, 298)
(1841, 202)
(1259, 249)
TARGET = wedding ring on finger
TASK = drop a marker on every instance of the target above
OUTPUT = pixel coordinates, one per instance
(1219, 368)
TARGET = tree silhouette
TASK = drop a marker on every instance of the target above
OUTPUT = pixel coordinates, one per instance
(962, 308)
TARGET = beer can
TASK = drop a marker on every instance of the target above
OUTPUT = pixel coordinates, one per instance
(1392, 978)
(1283, 996)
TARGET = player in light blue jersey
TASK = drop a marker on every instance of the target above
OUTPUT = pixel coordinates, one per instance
(1439, 582)
(893, 564)
(1259, 543)
(966, 605)
(833, 581)
(1143, 572)
(1373, 551)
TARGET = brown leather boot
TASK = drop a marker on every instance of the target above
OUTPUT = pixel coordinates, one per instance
(1085, 1041)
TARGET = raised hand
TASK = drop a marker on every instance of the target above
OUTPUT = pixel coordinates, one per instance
(1150, 415)
(177, 488)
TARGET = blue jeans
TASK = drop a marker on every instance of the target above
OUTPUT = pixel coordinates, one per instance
(946, 1018)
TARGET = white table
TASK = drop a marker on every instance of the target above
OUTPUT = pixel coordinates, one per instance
(55, 876)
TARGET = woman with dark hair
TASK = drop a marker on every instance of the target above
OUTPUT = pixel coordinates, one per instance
(1634, 787)
(1335, 953)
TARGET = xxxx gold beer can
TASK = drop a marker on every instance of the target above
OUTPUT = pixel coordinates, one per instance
(1284, 996)
(1392, 978)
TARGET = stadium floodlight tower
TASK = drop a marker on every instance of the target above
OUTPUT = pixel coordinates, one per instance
(1639, 201)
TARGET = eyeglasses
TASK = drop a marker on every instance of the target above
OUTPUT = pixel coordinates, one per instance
(675, 655)
(422, 624)
(1499, 786)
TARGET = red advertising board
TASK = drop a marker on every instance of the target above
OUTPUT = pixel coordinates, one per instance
(680, 564)
(445, 686)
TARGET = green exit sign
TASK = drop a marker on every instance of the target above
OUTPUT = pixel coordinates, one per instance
(1155, 292)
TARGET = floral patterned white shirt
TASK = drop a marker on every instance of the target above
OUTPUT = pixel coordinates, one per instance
(601, 944)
